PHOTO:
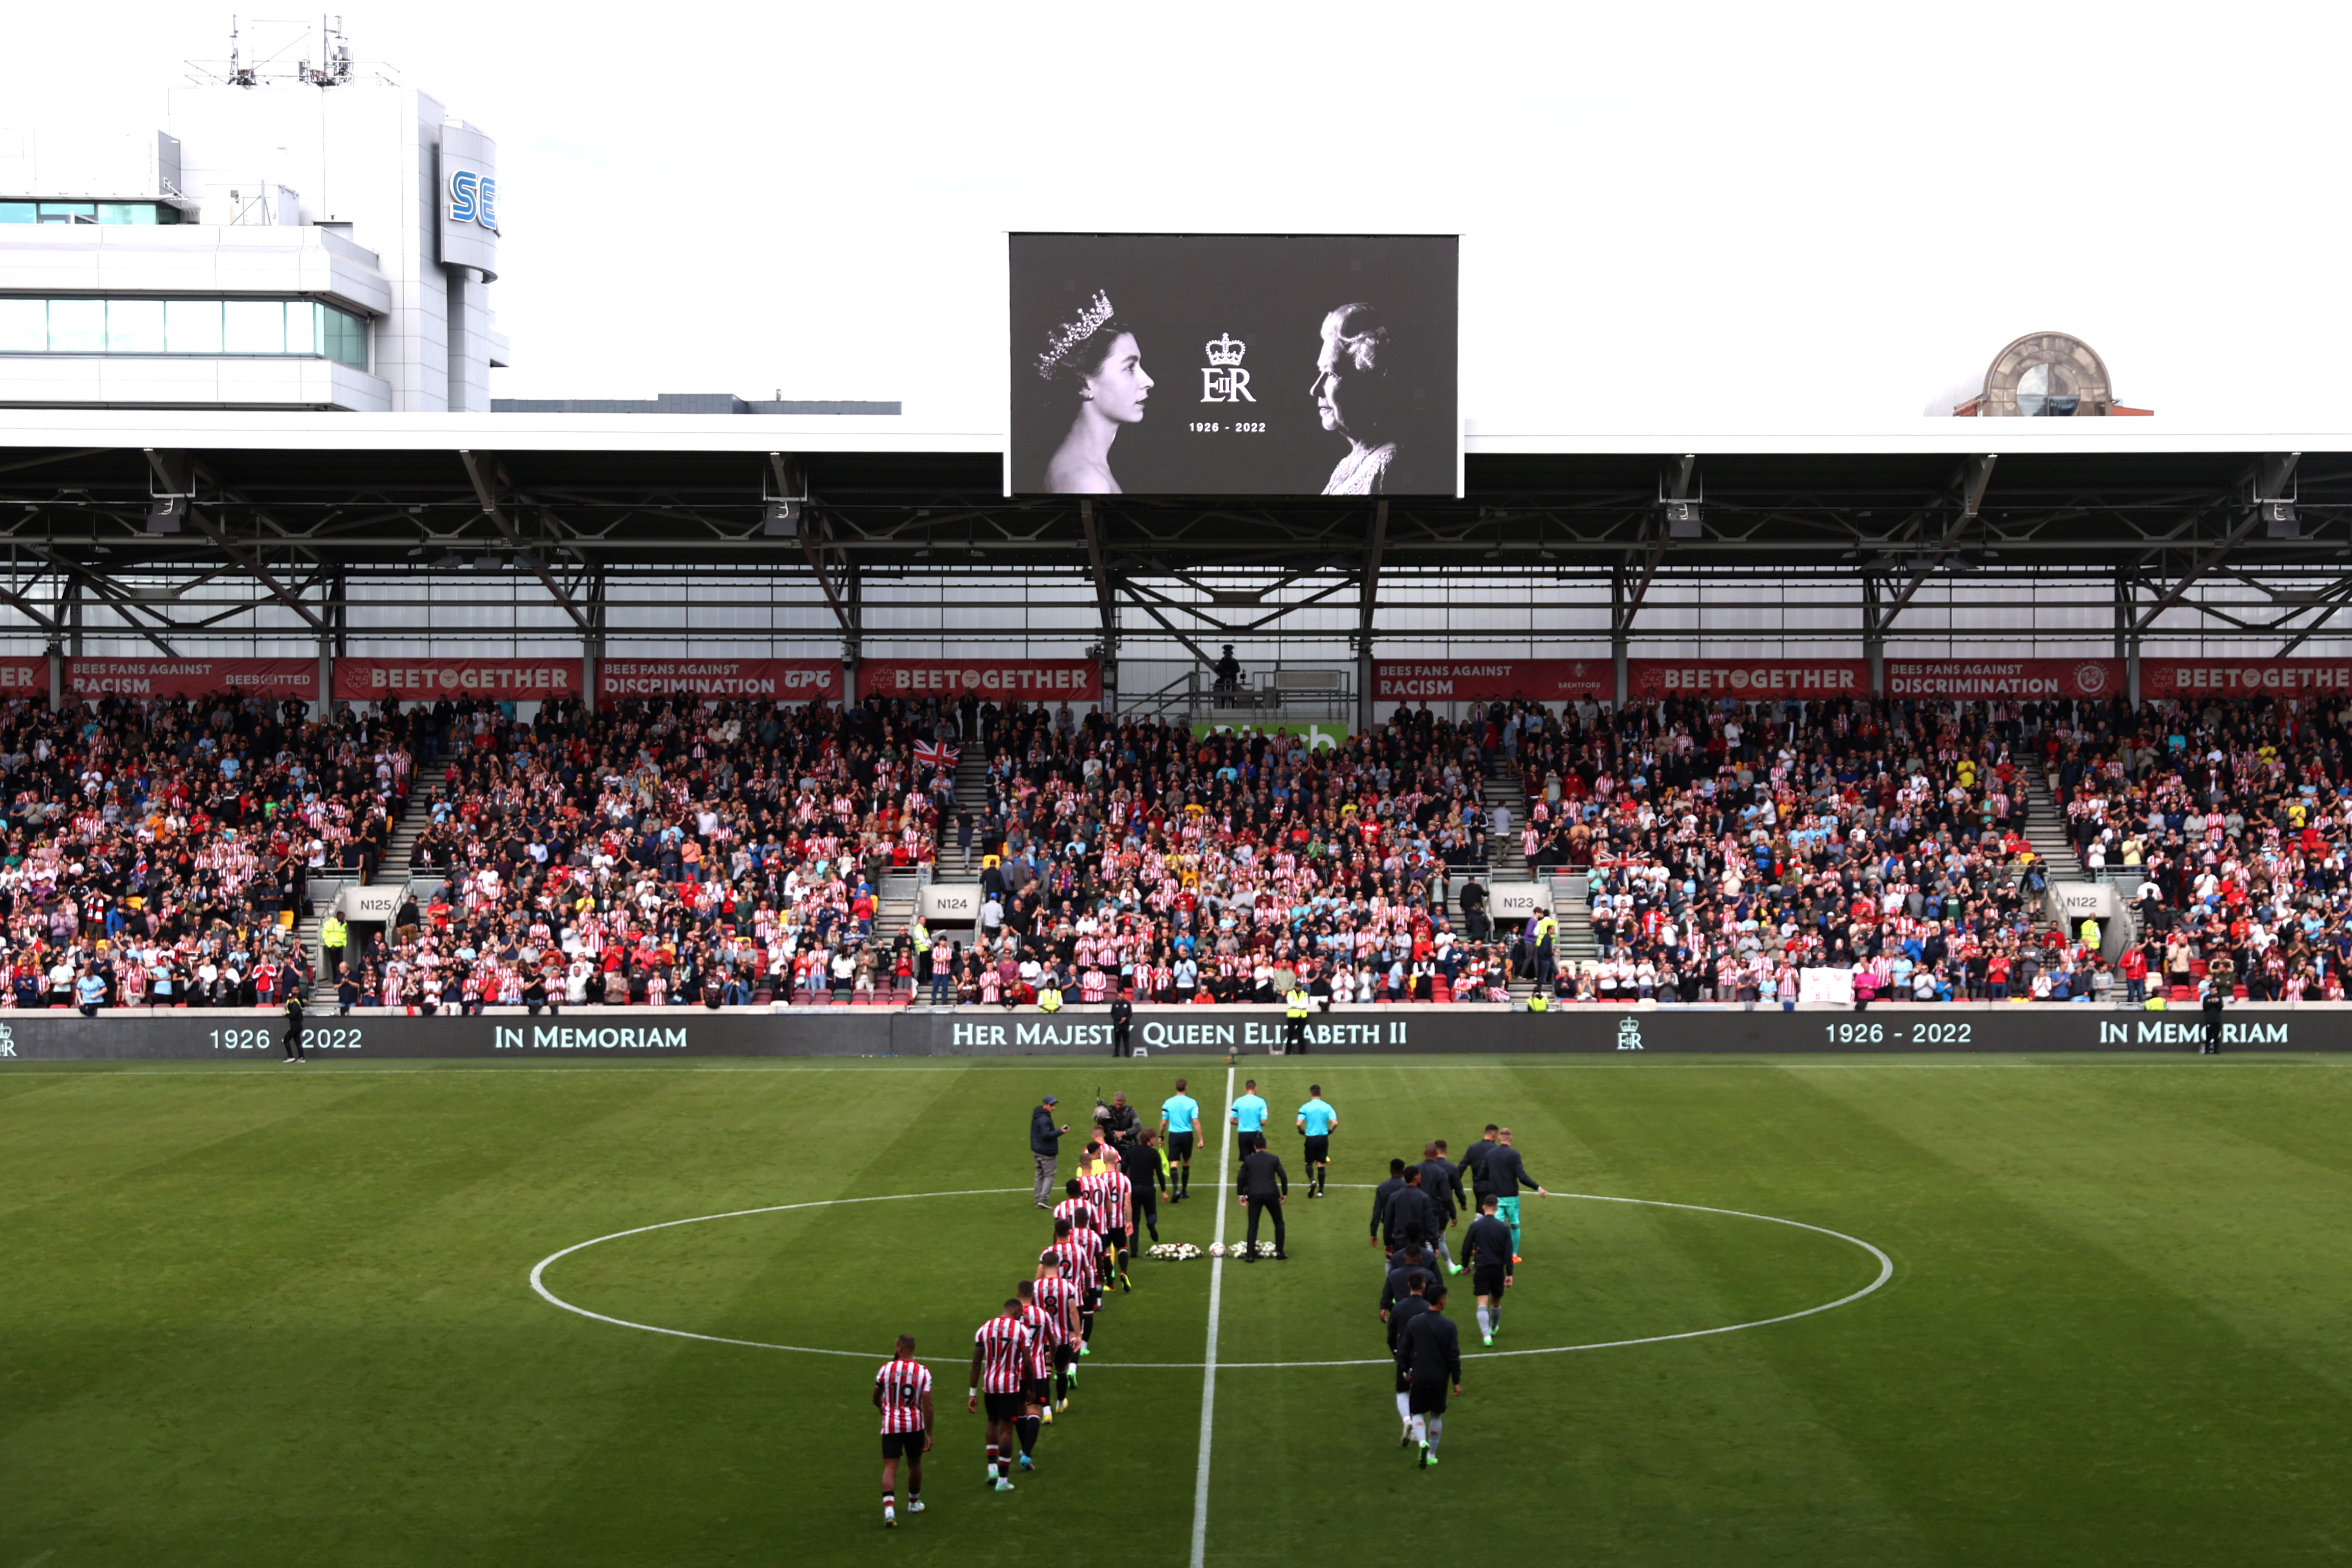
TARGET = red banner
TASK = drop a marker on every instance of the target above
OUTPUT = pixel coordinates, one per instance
(430, 680)
(990, 680)
(2169, 675)
(1985, 679)
(25, 678)
(1762, 680)
(191, 677)
(764, 679)
(1482, 680)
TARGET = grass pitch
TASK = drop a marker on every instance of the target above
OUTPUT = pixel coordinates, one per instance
(262, 1315)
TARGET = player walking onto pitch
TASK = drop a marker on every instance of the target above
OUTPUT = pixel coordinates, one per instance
(1248, 1118)
(1316, 1120)
(1399, 1316)
(1432, 1358)
(1179, 1117)
(1036, 1395)
(1059, 1297)
(1000, 1368)
(1506, 1174)
(1488, 1247)
(902, 1391)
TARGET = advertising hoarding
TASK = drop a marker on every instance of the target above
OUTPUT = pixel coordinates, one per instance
(771, 680)
(24, 677)
(191, 677)
(2172, 676)
(1484, 680)
(1756, 680)
(1320, 735)
(430, 680)
(1234, 364)
(990, 680)
(1988, 679)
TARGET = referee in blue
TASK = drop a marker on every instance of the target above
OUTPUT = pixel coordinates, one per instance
(1316, 1120)
(1248, 1119)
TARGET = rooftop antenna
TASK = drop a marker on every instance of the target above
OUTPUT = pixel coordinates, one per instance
(334, 57)
(335, 67)
(239, 73)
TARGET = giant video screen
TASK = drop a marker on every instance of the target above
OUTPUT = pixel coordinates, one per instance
(1234, 364)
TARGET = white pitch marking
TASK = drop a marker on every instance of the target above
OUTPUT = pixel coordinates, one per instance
(540, 1269)
(1210, 1366)
(1885, 1273)
(1209, 1360)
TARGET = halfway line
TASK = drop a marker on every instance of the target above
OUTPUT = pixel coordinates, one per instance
(1209, 1358)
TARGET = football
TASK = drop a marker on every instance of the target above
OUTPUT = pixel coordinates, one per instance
(1217, 1249)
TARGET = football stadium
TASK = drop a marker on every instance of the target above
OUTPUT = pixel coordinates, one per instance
(572, 966)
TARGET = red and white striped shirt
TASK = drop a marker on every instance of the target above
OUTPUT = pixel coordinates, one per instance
(1003, 1342)
(1078, 1258)
(1046, 1334)
(904, 1384)
(1059, 1297)
(1081, 1213)
(1111, 1193)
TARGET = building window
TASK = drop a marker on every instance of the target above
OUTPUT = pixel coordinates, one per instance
(2047, 391)
(89, 212)
(241, 328)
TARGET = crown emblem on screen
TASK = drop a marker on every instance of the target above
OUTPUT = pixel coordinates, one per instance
(1226, 350)
(1071, 333)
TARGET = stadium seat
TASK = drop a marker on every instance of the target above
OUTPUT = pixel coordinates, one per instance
(760, 999)
(1440, 991)
(803, 999)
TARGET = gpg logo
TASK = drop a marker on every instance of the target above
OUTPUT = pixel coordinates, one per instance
(1224, 381)
(796, 679)
(473, 199)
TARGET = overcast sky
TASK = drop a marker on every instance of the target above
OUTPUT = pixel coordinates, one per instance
(1673, 217)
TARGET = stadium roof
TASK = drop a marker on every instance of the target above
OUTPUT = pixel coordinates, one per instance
(294, 500)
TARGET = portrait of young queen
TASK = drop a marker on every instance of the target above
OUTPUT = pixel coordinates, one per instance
(1093, 363)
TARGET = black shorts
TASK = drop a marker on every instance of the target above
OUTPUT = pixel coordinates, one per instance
(1063, 1356)
(896, 1443)
(1004, 1406)
(1041, 1390)
(1426, 1399)
(1180, 1145)
(1404, 1379)
(1092, 1300)
(1318, 1149)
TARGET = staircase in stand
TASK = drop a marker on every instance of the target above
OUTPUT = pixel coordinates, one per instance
(391, 871)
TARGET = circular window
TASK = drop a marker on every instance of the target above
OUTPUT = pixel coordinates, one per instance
(2047, 391)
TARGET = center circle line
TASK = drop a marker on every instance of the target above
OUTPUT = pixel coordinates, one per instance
(538, 1284)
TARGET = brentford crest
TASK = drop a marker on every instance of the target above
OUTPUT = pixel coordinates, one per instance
(2090, 678)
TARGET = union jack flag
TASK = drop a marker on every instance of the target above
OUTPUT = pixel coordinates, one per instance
(931, 754)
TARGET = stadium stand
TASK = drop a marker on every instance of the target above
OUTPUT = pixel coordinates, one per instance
(191, 852)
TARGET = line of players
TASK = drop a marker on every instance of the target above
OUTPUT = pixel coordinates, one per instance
(1411, 1212)
(1024, 1360)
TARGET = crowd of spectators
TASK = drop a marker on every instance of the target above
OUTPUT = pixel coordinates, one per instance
(157, 853)
(1731, 847)
(1126, 855)
(670, 852)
